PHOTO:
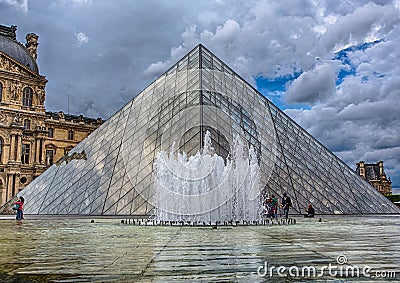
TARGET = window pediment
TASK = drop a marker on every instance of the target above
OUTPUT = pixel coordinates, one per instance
(50, 146)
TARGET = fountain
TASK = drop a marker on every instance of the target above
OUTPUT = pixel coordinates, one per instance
(205, 188)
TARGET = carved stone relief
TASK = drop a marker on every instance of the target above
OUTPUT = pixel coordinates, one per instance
(8, 65)
(16, 90)
(32, 44)
(5, 64)
(3, 117)
(40, 94)
(61, 115)
(17, 119)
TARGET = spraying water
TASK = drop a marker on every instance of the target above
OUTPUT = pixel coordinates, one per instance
(206, 188)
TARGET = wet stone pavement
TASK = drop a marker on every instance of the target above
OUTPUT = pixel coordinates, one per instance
(76, 250)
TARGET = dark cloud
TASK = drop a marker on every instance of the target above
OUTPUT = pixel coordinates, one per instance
(312, 86)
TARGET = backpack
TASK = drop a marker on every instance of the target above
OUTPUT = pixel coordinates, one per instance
(15, 207)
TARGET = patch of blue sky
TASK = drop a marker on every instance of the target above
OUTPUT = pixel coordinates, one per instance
(350, 69)
(274, 87)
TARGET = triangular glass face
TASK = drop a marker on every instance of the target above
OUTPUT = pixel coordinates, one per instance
(111, 172)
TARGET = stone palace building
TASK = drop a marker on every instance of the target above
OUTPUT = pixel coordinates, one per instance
(375, 174)
(31, 138)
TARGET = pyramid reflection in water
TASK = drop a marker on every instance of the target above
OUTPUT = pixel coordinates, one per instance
(198, 94)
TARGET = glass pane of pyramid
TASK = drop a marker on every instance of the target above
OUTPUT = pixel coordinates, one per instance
(111, 172)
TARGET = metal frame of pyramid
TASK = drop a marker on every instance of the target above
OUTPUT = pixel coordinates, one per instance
(111, 171)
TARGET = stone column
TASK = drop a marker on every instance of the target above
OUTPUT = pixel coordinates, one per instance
(7, 188)
(34, 151)
(14, 185)
(12, 147)
(37, 151)
(41, 151)
(19, 148)
(10, 186)
(3, 192)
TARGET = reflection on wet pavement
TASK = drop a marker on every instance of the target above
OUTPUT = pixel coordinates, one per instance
(75, 250)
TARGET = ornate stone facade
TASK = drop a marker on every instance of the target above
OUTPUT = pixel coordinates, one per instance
(375, 175)
(31, 139)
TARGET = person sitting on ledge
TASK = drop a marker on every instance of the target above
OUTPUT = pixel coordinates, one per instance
(310, 211)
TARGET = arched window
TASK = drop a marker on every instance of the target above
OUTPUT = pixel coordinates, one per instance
(27, 97)
(1, 92)
(1, 149)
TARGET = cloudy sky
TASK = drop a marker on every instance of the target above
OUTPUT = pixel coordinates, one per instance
(333, 66)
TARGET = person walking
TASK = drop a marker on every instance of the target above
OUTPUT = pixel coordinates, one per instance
(286, 204)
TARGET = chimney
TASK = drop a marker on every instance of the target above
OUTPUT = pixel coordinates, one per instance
(361, 167)
(381, 172)
(10, 32)
(32, 44)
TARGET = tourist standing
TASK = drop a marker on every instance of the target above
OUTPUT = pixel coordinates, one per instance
(19, 205)
(267, 208)
(275, 206)
(286, 204)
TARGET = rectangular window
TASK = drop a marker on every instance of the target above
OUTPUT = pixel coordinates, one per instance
(71, 135)
(50, 133)
(27, 124)
(49, 157)
(27, 97)
(25, 153)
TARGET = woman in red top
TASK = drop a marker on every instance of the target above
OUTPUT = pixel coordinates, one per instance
(20, 213)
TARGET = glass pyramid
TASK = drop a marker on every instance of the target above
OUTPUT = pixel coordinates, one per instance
(111, 171)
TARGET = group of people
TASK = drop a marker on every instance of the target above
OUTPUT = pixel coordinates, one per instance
(271, 207)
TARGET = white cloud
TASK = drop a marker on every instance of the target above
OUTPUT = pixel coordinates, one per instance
(366, 22)
(76, 3)
(227, 33)
(155, 69)
(21, 5)
(82, 2)
(82, 38)
(397, 4)
(207, 17)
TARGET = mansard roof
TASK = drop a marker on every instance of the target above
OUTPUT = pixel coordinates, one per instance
(16, 50)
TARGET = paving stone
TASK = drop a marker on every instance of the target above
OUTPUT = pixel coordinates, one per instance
(74, 250)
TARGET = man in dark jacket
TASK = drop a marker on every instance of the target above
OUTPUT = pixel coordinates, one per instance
(286, 204)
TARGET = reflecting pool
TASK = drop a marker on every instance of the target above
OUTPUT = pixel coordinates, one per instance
(76, 250)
